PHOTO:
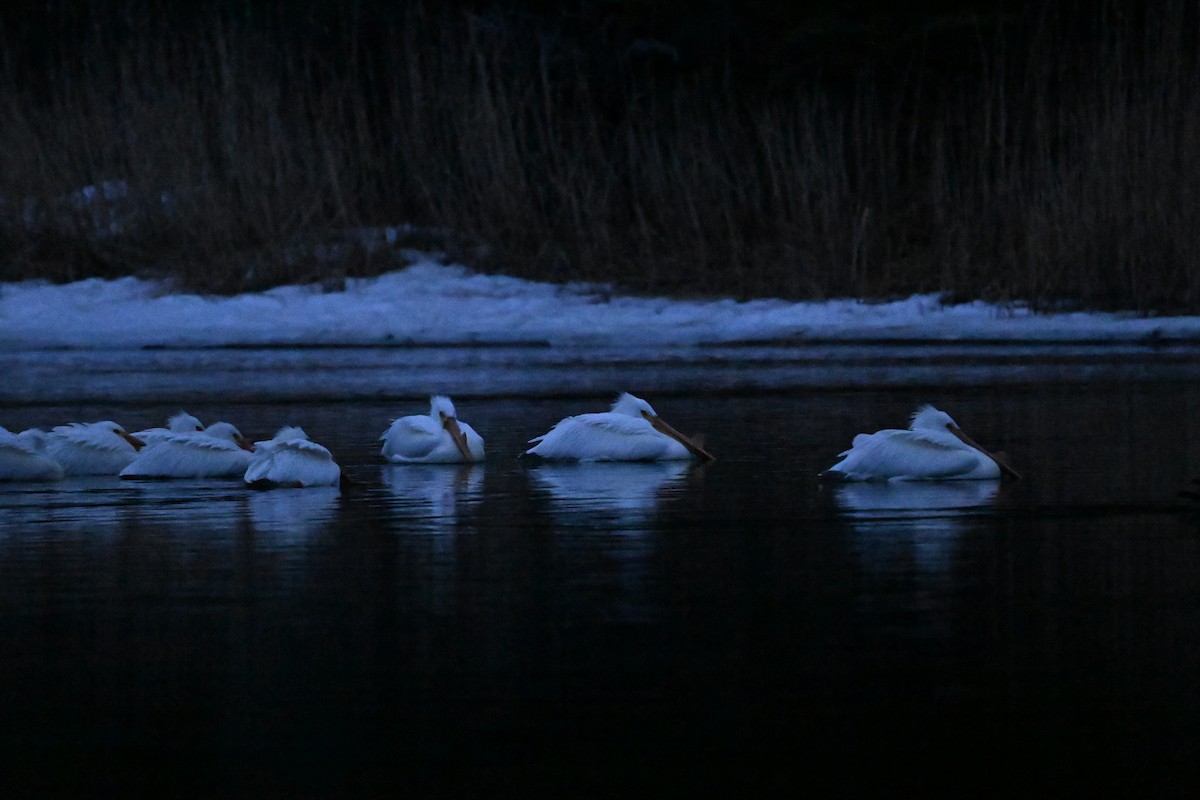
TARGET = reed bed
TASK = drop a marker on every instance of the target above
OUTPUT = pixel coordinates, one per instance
(1058, 167)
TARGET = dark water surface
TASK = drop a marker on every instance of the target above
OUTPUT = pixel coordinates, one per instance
(602, 629)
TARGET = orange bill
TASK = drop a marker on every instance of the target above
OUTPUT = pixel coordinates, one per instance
(692, 446)
(1005, 470)
(460, 438)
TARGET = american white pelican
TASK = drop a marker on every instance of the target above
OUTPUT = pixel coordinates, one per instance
(435, 438)
(933, 448)
(23, 457)
(290, 459)
(631, 431)
(182, 422)
(219, 451)
(92, 448)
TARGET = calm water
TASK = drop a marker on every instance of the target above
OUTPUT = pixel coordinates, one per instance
(583, 629)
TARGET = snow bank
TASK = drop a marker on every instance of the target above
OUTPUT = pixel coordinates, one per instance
(429, 303)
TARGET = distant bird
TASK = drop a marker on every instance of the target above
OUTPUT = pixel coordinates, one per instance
(631, 431)
(92, 448)
(290, 459)
(182, 422)
(219, 451)
(933, 448)
(434, 438)
(23, 457)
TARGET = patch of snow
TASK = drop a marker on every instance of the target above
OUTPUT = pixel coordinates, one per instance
(430, 303)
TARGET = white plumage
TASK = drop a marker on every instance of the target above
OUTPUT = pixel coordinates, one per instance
(220, 451)
(290, 459)
(182, 422)
(23, 457)
(933, 448)
(92, 448)
(631, 431)
(434, 438)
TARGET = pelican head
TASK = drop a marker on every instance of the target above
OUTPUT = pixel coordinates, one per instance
(442, 410)
(288, 432)
(633, 406)
(184, 422)
(226, 431)
(117, 430)
(637, 407)
(930, 419)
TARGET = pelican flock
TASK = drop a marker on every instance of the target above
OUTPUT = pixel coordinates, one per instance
(438, 437)
(932, 448)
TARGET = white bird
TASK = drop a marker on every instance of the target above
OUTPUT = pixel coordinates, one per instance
(23, 457)
(182, 422)
(92, 448)
(631, 431)
(290, 459)
(434, 438)
(219, 451)
(933, 448)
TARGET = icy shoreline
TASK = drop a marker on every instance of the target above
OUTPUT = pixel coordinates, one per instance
(432, 304)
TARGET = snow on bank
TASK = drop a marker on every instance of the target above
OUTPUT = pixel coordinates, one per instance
(429, 303)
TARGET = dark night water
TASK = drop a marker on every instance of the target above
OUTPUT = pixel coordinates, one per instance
(602, 629)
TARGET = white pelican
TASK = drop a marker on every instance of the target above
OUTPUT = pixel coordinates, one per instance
(435, 438)
(290, 459)
(92, 448)
(182, 422)
(631, 431)
(23, 457)
(219, 451)
(933, 448)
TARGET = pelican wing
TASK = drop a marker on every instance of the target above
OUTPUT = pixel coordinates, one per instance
(904, 454)
(91, 437)
(413, 438)
(21, 460)
(188, 456)
(295, 462)
(606, 437)
(13, 443)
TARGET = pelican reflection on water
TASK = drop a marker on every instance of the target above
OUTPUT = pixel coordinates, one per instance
(630, 491)
(432, 495)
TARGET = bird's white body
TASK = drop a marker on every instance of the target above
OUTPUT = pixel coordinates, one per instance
(23, 457)
(92, 448)
(631, 431)
(932, 448)
(438, 437)
(182, 422)
(219, 451)
(290, 459)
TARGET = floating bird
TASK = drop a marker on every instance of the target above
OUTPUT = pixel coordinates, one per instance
(92, 448)
(933, 448)
(631, 431)
(435, 438)
(290, 459)
(23, 457)
(182, 422)
(219, 451)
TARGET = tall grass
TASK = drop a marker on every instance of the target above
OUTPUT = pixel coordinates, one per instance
(1062, 170)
